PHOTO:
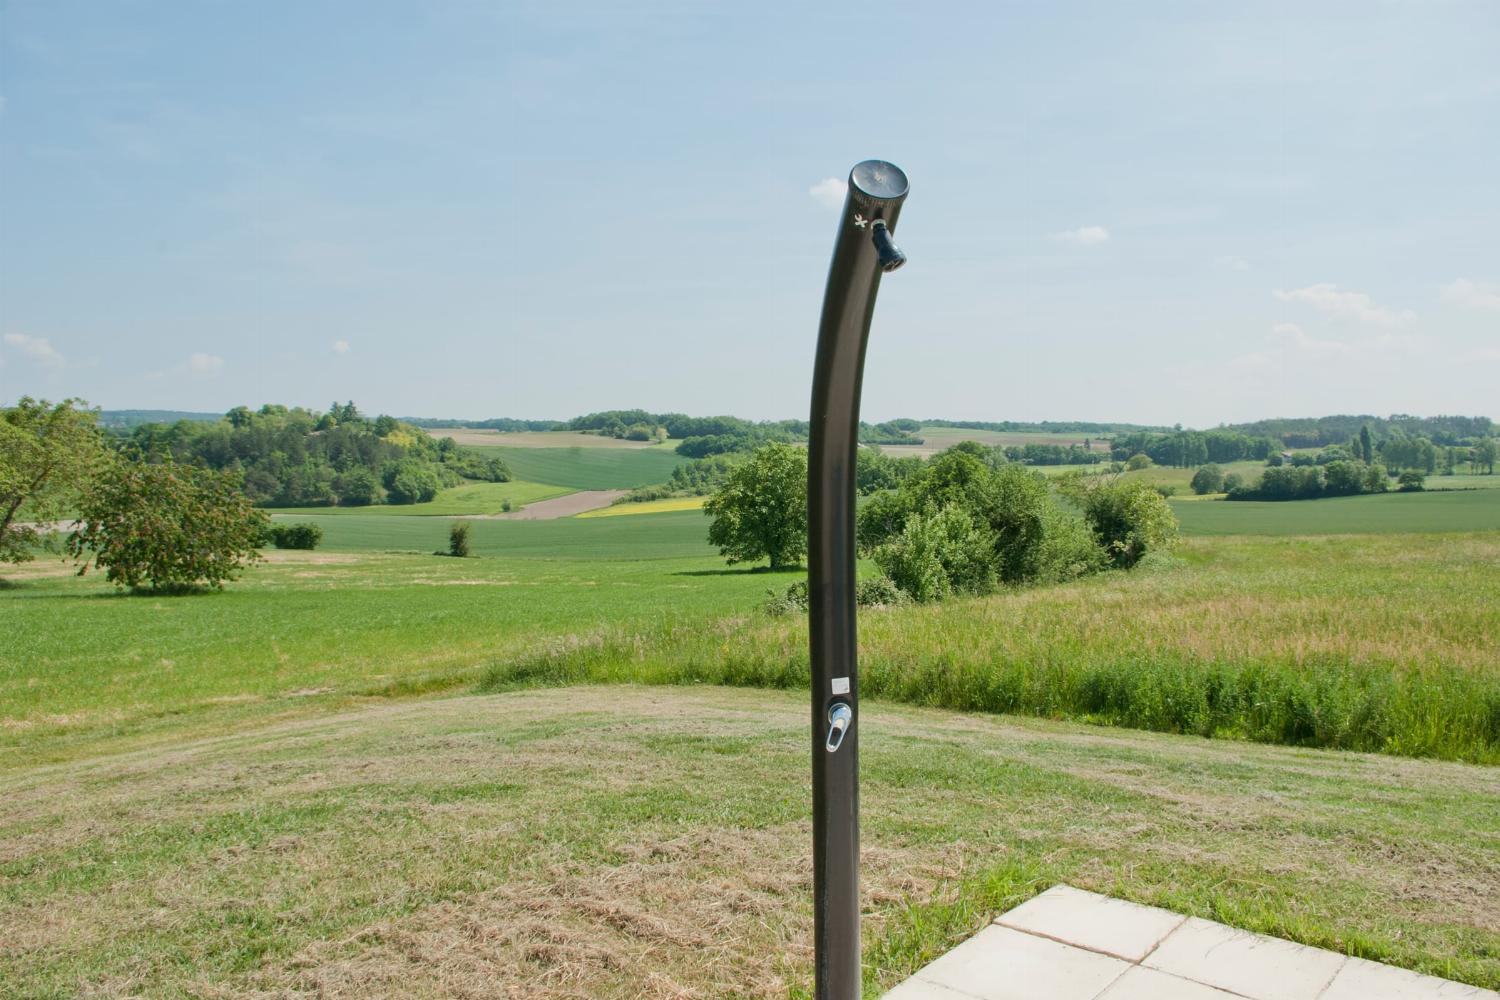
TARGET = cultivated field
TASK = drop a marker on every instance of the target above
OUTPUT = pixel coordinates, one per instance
(936, 439)
(589, 468)
(533, 439)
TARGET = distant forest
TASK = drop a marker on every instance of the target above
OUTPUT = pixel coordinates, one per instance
(289, 456)
(292, 457)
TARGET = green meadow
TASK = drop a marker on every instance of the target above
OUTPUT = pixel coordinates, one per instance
(589, 468)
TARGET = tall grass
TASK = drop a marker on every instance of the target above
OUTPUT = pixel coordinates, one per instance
(1350, 656)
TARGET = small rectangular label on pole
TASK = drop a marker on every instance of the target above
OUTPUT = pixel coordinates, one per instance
(840, 685)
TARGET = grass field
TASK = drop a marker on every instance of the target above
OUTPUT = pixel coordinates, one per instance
(470, 498)
(370, 770)
(534, 439)
(1468, 510)
(476, 846)
(936, 439)
(589, 468)
(649, 507)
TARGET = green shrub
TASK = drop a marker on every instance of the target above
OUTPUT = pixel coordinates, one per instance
(296, 536)
(1411, 482)
(1128, 518)
(1138, 461)
(458, 539)
(940, 554)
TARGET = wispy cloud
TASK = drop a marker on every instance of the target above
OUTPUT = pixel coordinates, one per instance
(204, 365)
(1334, 301)
(1084, 236)
(38, 349)
(829, 191)
(1471, 295)
(341, 347)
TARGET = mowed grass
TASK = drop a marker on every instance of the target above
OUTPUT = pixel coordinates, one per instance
(590, 468)
(372, 613)
(625, 842)
(1459, 510)
(468, 499)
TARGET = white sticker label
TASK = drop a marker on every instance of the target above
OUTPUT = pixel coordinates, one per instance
(841, 685)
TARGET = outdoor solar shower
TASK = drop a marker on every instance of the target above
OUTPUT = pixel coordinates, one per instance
(862, 251)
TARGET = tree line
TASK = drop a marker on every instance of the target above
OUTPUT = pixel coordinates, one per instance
(293, 457)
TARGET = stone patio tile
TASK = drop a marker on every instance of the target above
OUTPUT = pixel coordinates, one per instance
(916, 988)
(1147, 984)
(1362, 980)
(1003, 964)
(1253, 966)
(1098, 923)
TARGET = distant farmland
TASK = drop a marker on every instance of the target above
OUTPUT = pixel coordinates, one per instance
(1385, 513)
(533, 439)
(589, 468)
(936, 439)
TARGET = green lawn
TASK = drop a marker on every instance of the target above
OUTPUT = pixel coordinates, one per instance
(372, 611)
(471, 498)
(621, 842)
(590, 468)
(1466, 510)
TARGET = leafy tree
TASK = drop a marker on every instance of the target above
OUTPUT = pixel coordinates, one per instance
(173, 526)
(1366, 448)
(410, 482)
(48, 452)
(761, 510)
(1412, 482)
(1485, 453)
(1232, 482)
(357, 488)
(1138, 461)
(1208, 479)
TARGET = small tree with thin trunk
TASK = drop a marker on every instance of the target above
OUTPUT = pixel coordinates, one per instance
(761, 510)
(48, 452)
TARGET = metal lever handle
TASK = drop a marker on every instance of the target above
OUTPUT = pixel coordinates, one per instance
(839, 717)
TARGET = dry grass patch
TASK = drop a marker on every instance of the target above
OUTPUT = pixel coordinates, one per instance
(625, 842)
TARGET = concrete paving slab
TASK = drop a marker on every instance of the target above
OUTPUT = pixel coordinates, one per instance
(1363, 980)
(1098, 923)
(1003, 964)
(1067, 944)
(1251, 965)
(1141, 983)
(921, 989)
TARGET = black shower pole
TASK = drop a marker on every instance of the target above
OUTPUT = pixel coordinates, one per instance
(862, 251)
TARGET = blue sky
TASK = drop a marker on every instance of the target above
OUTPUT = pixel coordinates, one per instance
(1146, 212)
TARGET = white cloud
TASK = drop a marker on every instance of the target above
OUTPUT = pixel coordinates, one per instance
(341, 347)
(1471, 295)
(829, 192)
(205, 364)
(1330, 299)
(1085, 236)
(38, 349)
